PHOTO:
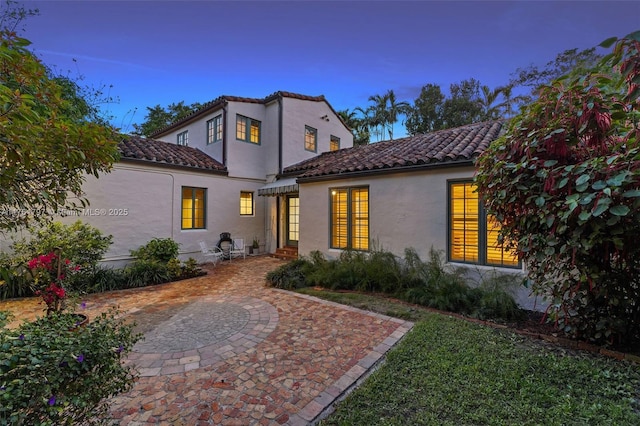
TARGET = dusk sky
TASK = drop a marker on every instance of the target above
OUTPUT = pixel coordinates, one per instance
(160, 52)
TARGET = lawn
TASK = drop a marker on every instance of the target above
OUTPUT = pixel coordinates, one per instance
(448, 371)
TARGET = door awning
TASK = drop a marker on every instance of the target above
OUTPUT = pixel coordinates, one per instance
(279, 187)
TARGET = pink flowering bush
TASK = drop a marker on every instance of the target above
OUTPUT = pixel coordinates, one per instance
(49, 272)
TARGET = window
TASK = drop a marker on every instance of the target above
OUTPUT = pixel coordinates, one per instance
(247, 129)
(214, 130)
(334, 143)
(194, 208)
(183, 138)
(246, 204)
(473, 235)
(310, 138)
(349, 225)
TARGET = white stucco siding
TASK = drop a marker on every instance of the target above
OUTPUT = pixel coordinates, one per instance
(405, 210)
(246, 159)
(198, 135)
(136, 203)
(300, 113)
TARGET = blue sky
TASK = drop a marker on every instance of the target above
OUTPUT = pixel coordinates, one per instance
(160, 52)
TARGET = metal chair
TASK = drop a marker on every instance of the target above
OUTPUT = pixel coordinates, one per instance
(237, 248)
(214, 255)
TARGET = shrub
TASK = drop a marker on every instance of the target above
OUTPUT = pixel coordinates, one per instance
(563, 182)
(51, 376)
(495, 299)
(14, 282)
(81, 243)
(158, 249)
(289, 276)
(425, 283)
(106, 279)
(174, 268)
(191, 269)
(143, 272)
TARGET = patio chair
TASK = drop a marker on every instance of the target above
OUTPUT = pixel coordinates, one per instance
(214, 255)
(237, 248)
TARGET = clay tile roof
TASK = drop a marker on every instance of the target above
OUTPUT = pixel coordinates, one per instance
(449, 146)
(221, 100)
(135, 148)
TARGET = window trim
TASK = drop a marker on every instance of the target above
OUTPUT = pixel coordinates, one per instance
(482, 231)
(349, 218)
(334, 139)
(248, 124)
(308, 130)
(214, 130)
(193, 216)
(184, 137)
(253, 204)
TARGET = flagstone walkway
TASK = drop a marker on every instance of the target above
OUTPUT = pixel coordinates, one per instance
(223, 349)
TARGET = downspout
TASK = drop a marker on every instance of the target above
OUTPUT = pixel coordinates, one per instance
(280, 154)
(224, 133)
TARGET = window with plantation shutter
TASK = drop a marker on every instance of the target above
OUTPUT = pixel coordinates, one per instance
(474, 235)
(349, 218)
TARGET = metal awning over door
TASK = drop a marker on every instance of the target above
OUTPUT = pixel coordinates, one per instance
(279, 187)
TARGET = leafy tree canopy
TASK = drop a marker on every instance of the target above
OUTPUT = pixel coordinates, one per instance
(534, 77)
(158, 117)
(357, 125)
(47, 145)
(565, 183)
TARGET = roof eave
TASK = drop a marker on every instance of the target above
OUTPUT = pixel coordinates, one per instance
(174, 166)
(190, 118)
(389, 170)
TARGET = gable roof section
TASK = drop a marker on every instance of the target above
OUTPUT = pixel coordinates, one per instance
(444, 148)
(222, 100)
(158, 153)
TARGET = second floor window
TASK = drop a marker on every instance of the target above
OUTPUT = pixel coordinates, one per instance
(334, 143)
(214, 130)
(247, 129)
(183, 138)
(310, 139)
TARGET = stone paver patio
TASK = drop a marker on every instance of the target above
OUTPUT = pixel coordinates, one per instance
(223, 349)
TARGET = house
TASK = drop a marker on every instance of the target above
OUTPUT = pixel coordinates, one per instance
(201, 175)
(414, 192)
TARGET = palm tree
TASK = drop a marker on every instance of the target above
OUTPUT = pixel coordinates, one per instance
(383, 114)
(394, 109)
(378, 116)
(357, 125)
(491, 110)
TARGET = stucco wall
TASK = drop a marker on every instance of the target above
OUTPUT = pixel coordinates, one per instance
(136, 203)
(297, 114)
(405, 210)
(198, 135)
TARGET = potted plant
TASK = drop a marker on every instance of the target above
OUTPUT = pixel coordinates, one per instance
(256, 245)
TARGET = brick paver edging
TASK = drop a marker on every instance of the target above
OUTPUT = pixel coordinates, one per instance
(324, 404)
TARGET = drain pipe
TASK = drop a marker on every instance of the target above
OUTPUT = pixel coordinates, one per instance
(224, 133)
(280, 154)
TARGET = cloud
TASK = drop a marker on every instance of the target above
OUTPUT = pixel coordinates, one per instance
(96, 59)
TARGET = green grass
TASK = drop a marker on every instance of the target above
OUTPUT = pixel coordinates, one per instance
(448, 371)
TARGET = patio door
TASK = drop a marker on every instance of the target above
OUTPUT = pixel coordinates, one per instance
(293, 220)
